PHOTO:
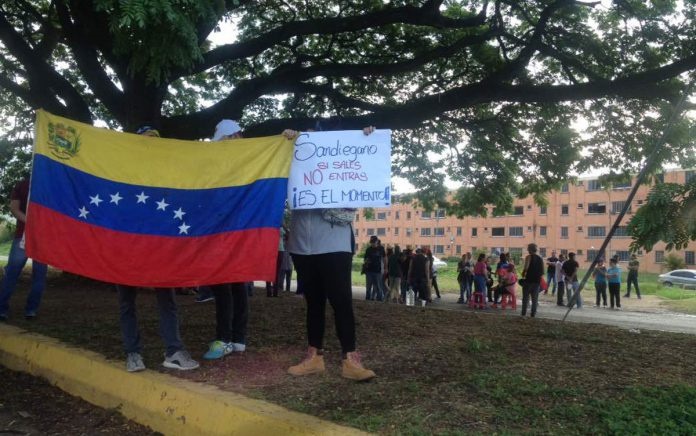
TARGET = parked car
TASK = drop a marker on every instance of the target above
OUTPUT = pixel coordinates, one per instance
(681, 277)
(438, 262)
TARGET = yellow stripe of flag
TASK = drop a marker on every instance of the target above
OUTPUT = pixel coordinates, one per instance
(159, 162)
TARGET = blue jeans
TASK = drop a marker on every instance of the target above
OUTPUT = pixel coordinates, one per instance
(168, 319)
(551, 277)
(15, 263)
(465, 288)
(374, 281)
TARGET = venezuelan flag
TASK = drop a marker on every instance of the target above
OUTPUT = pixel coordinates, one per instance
(144, 211)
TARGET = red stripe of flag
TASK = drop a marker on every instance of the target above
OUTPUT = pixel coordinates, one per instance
(146, 260)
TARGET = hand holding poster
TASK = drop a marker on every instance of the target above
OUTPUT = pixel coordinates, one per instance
(341, 169)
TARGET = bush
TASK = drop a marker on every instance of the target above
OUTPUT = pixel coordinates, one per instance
(6, 231)
(672, 262)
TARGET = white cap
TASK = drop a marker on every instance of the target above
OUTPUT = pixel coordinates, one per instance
(226, 128)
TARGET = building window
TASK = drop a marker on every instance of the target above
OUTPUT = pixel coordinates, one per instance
(408, 215)
(381, 231)
(564, 232)
(357, 232)
(617, 207)
(542, 210)
(621, 232)
(439, 249)
(516, 231)
(579, 228)
(518, 210)
(458, 249)
(564, 188)
(564, 209)
(459, 231)
(426, 215)
(439, 231)
(689, 176)
(409, 232)
(474, 232)
(596, 208)
(396, 231)
(591, 254)
(689, 258)
(425, 231)
(659, 256)
(623, 255)
(596, 231)
(542, 231)
(516, 254)
(581, 205)
(370, 232)
(542, 252)
(564, 252)
(593, 185)
(440, 213)
(397, 215)
(381, 216)
(498, 231)
(621, 185)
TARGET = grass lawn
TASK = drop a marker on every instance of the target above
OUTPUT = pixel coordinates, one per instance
(439, 372)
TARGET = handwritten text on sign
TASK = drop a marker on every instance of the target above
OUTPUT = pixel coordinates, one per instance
(341, 169)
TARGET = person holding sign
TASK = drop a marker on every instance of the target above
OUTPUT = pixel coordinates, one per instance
(322, 244)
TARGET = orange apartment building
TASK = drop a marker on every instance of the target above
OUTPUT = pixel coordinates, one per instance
(577, 219)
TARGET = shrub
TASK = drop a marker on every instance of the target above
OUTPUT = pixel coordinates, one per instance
(672, 261)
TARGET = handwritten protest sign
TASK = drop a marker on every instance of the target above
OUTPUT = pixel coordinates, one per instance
(341, 169)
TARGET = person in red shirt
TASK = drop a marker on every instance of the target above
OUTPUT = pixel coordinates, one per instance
(18, 258)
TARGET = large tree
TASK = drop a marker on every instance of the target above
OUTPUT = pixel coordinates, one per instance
(493, 89)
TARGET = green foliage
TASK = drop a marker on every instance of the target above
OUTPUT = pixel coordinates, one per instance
(15, 156)
(672, 262)
(668, 215)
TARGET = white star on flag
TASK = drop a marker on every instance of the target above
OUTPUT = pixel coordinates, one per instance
(142, 197)
(83, 212)
(162, 205)
(183, 228)
(95, 200)
(115, 198)
(179, 214)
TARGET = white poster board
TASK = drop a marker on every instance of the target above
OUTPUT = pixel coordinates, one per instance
(340, 169)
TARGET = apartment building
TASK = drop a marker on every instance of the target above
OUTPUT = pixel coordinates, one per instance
(577, 218)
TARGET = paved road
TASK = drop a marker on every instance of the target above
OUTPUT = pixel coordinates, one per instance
(637, 314)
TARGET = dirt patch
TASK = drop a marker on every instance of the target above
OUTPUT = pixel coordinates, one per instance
(438, 371)
(31, 406)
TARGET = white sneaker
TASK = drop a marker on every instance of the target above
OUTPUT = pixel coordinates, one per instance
(180, 360)
(134, 362)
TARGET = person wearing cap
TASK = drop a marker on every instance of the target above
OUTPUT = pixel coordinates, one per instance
(176, 356)
(231, 299)
(322, 250)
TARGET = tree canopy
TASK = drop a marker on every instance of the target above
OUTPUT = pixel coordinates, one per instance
(495, 91)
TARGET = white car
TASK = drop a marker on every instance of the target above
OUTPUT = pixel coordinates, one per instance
(681, 277)
(438, 262)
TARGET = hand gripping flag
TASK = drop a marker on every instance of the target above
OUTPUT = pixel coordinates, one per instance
(146, 211)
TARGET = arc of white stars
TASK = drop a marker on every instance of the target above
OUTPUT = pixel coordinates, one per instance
(115, 198)
(179, 214)
(142, 197)
(83, 212)
(162, 205)
(95, 200)
(183, 228)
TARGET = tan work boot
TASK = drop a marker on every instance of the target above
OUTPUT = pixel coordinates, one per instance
(312, 364)
(353, 369)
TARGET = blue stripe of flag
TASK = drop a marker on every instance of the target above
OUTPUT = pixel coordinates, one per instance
(116, 205)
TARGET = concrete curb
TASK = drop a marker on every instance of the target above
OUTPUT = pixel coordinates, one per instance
(166, 404)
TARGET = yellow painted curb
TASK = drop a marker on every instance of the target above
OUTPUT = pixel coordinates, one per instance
(166, 404)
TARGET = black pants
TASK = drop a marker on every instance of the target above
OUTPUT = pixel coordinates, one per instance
(615, 294)
(530, 290)
(327, 276)
(560, 292)
(231, 312)
(437, 289)
(601, 289)
(632, 279)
